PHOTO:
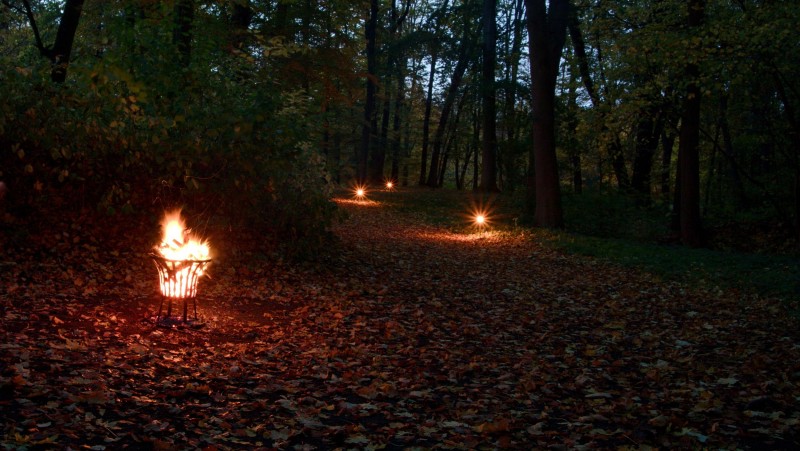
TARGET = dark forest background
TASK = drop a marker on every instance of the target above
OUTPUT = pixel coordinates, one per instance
(660, 120)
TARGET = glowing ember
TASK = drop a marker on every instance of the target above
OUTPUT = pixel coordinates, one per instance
(184, 258)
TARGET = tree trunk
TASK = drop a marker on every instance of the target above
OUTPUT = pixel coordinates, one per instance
(406, 145)
(378, 159)
(667, 142)
(182, 31)
(573, 149)
(451, 142)
(489, 149)
(65, 36)
(426, 122)
(59, 54)
(610, 142)
(396, 124)
(739, 195)
(547, 29)
(618, 163)
(476, 133)
(443, 166)
(447, 107)
(506, 163)
(241, 18)
(691, 232)
(379, 154)
(648, 131)
(794, 142)
(401, 64)
(369, 101)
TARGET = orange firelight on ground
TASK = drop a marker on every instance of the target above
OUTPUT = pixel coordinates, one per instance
(181, 251)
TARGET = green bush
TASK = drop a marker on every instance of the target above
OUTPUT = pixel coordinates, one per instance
(115, 142)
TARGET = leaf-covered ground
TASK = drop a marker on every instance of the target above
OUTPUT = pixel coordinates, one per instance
(408, 335)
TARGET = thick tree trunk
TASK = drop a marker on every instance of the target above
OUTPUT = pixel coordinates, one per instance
(489, 148)
(547, 30)
(691, 232)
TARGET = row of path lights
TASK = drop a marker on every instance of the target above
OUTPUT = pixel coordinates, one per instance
(480, 216)
(181, 258)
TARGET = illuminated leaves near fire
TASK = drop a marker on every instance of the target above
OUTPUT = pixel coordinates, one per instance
(408, 335)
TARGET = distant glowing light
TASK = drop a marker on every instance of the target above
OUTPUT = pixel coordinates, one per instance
(389, 184)
(480, 215)
(360, 192)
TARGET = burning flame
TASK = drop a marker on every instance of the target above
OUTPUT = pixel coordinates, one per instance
(177, 242)
(185, 257)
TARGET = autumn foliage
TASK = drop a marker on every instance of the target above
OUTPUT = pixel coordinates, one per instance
(409, 334)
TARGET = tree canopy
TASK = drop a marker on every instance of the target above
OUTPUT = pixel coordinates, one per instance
(268, 105)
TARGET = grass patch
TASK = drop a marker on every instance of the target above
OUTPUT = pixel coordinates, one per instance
(609, 214)
(450, 209)
(611, 227)
(768, 275)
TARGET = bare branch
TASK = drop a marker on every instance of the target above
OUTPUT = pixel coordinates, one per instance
(29, 12)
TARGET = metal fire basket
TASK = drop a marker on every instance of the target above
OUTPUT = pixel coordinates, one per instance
(178, 282)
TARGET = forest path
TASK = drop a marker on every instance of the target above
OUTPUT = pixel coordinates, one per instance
(417, 331)
(593, 348)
